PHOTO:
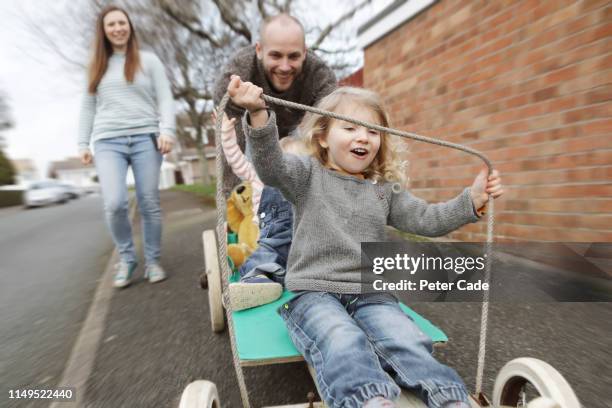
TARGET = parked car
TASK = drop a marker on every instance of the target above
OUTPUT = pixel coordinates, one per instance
(72, 191)
(45, 192)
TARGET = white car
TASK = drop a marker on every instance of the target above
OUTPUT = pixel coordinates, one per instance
(71, 191)
(45, 192)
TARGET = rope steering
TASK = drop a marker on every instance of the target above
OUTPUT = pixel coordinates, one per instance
(221, 228)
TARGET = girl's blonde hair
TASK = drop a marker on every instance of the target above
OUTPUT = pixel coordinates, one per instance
(387, 165)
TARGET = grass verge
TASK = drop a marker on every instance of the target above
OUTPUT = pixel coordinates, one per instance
(205, 191)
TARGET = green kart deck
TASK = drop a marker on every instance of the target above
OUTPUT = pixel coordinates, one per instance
(261, 336)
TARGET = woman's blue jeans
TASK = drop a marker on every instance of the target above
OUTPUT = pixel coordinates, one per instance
(112, 158)
(363, 346)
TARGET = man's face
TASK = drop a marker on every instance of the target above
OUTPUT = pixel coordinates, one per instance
(282, 53)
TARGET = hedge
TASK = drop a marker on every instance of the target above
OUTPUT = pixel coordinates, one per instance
(10, 197)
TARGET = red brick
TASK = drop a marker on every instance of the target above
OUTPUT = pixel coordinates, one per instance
(600, 94)
(599, 222)
(527, 82)
(591, 112)
(535, 233)
(597, 127)
(598, 206)
(588, 5)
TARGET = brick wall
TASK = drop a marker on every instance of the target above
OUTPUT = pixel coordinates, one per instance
(355, 79)
(529, 83)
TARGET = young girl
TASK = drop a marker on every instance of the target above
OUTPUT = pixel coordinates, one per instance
(362, 346)
(263, 273)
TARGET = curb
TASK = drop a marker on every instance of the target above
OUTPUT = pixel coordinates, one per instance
(82, 357)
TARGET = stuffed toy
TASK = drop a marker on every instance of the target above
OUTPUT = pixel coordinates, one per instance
(240, 220)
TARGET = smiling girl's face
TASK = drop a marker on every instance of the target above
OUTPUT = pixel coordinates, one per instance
(351, 148)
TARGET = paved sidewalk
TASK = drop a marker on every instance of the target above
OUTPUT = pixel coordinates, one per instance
(157, 337)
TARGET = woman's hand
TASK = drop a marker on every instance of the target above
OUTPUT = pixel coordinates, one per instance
(246, 95)
(86, 157)
(165, 144)
(483, 186)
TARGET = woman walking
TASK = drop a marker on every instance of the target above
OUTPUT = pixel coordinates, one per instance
(128, 113)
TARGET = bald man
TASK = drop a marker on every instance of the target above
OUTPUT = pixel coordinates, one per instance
(281, 65)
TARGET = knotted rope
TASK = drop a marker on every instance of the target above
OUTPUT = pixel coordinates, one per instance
(222, 240)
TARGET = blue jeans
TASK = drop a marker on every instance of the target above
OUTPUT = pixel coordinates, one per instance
(275, 233)
(112, 158)
(363, 346)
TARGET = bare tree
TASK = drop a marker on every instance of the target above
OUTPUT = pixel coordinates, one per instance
(243, 17)
(7, 170)
(6, 122)
(194, 38)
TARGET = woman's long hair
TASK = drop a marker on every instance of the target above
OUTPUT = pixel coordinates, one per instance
(387, 165)
(103, 49)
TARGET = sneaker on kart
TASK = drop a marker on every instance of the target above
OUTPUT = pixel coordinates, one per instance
(155, 273)
(254, 291)
(123, 274)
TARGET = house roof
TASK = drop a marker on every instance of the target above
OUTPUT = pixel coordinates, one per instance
(394, 15)
(192, 153)
(24, 165)
(72, 163)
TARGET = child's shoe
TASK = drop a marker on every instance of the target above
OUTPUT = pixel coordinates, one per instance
(379, 402)
(254, 291)
(456, 404)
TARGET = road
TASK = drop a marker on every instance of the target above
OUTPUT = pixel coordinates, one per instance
(157, 339)
(50, 261)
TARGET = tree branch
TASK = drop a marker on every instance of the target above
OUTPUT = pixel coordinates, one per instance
(187, 92)
(181, 21)
(48, 41)
(235, 24)
(336, 23)
(262, 9)
(337, 52)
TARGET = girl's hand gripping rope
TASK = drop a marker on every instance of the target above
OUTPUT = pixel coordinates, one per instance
(227, 124)
(483, 186)
(248, 96)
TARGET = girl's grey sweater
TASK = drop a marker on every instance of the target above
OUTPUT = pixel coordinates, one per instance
(334, 213)
(119, 108)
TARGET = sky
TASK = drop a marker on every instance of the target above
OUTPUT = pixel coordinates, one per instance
(44, 97)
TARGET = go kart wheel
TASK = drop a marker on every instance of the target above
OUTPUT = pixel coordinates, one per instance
(553, 389)
(200, 394)
(213, 273)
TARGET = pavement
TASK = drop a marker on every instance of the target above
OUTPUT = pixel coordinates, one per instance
(153, 340)
(142, 345)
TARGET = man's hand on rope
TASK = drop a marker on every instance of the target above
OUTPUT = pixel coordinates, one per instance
(248, 96)
(483, 186)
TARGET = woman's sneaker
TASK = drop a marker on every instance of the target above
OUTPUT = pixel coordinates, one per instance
(254, 291)
(123, 274)
(155, 273)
